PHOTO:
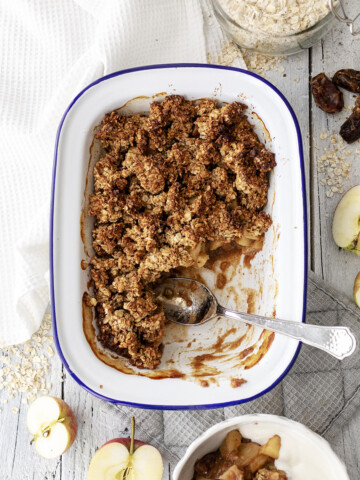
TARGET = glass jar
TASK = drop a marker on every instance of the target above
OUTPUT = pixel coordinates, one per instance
(252, 36)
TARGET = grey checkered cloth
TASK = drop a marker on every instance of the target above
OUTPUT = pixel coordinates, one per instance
(319, 391)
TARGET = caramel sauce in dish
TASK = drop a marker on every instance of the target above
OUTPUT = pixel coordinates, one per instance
(235, 274)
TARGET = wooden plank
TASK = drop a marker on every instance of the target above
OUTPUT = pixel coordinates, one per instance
(98, 423)
(338, 268)
(94, 429)
(19, 460)
(8, 434)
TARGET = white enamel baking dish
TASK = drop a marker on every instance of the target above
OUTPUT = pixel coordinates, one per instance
(279, 271)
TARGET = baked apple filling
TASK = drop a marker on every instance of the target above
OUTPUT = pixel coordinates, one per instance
(170, 188)
(241, 459)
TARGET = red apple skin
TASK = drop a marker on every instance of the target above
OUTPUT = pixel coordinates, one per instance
(70, 419)
(126, 442)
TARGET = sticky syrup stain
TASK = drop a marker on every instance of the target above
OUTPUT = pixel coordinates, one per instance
(248, 259)
(252, 360)
(266, 131)
(251, 299)
(220, 281)
(237, 382)
(224, 266)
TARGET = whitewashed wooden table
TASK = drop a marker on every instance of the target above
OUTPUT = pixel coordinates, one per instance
(18, 460)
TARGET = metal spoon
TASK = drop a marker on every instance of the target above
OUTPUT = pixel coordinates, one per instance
(189, 302)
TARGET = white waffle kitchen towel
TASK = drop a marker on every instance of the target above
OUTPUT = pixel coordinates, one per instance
(49, 51)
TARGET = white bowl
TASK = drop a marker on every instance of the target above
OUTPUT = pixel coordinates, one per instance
(303, 453)
(278, 272)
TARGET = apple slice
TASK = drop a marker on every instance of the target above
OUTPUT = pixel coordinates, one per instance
(346, 222)
(357, 290)
(53, 425)
(126, 459)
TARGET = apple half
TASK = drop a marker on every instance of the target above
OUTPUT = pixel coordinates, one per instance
(346, 222)
(126, 459)
(53, 425)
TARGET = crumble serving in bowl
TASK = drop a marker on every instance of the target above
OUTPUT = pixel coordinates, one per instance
(169, 189)
(239, 458)
(260, 447)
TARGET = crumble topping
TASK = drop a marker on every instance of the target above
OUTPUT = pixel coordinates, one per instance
(189, 178)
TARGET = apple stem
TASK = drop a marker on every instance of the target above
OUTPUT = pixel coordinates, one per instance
(132, 435)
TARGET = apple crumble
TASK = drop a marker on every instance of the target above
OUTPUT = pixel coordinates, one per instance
(170, 187)
(239, 458)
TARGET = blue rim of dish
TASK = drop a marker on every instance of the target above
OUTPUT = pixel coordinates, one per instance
(51, 249)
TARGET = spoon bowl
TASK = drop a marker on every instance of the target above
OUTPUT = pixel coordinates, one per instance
(186, 301)
(190, 302)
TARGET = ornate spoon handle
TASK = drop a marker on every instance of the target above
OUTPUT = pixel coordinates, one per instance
(338, 341)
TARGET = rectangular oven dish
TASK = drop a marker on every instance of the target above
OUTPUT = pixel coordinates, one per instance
(200, 366)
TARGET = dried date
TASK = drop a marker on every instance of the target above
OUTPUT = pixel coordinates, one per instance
(326, 94)
(348, 79)
(350, 130)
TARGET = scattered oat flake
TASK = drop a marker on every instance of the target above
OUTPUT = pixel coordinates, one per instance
(24, 367)
(262, 64)
(15, 410)
(323, 135)
(334, 166)
(228, 54)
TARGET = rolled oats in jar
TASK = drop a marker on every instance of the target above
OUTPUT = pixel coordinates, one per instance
(275, 26)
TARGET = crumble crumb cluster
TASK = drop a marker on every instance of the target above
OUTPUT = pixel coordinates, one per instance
(170, 187)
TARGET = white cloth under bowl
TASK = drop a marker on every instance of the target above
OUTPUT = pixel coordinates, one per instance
(50, 50)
